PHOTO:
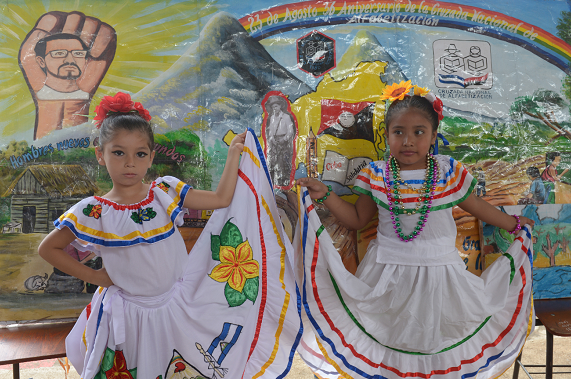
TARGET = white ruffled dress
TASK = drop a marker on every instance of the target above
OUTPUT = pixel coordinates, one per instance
(173, 314)
(412, 309)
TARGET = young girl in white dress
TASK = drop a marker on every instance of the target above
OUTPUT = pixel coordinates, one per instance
(411, 309)
(154, 306)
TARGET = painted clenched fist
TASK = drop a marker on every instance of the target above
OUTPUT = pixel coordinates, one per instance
(64, 59)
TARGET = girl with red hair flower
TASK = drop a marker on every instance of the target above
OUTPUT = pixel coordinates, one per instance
(147, 286)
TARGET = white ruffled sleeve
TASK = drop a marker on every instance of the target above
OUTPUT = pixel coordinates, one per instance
(177, 191)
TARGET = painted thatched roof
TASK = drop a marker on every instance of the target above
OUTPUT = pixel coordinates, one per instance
(53, 181)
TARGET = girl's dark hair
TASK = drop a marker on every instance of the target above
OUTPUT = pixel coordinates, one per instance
(418, 102)
(125, 121)
(550, 157)
(532, 171)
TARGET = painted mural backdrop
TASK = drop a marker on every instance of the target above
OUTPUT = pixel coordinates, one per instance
(551, 254)
(306, 76)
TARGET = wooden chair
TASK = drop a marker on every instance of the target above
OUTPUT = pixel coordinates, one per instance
(32, 343)
(555, 315)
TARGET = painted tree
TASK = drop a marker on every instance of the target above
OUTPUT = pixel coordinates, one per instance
(545, 106)
(564, 32)
(7, 171)
(564, 244)
(564, 27)
(550, 249)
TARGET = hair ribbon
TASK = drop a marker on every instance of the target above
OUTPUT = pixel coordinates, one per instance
(444, 142)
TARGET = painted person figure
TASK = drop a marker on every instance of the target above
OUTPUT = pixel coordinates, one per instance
(280, 132)
(550, 174)
(480, 182)
(64, 59)
(537, 192)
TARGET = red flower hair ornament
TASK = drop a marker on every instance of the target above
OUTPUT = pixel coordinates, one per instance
(436, 104)
(121, 103)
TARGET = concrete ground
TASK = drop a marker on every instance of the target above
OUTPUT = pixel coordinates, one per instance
(533, 353)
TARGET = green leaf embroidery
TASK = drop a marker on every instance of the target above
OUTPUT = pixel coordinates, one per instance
(150, 213)
(100, 374)
(87, 210)
(233, 297)
(230, 235)
(107, 362)
(215, 247)
(250, 289)
(135, 217)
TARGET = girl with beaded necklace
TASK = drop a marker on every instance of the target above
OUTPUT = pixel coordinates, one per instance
(412, 309)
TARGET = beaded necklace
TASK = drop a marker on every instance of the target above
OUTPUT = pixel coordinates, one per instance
(425, 196)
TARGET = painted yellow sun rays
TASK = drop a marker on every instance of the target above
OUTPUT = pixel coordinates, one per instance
(149, 40)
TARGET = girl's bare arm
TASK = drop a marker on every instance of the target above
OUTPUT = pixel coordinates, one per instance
(221, 198)
(51, 249)
(352, 216)
(490, 214)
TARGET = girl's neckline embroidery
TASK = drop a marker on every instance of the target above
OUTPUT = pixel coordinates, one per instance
(121, 207)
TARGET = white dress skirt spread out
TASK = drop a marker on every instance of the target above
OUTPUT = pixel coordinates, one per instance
(227, 309)
(412, 310)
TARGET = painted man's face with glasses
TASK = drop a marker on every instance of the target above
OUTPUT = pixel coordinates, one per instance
(65, 58)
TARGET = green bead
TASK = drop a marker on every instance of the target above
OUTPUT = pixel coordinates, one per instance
(417, 228)
(419, 223)
(399, 230)
(397, 224)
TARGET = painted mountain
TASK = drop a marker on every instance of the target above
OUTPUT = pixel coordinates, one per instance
(221, 79)
(365, 47)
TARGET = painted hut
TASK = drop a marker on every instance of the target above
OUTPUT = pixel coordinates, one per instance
(42, 193)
